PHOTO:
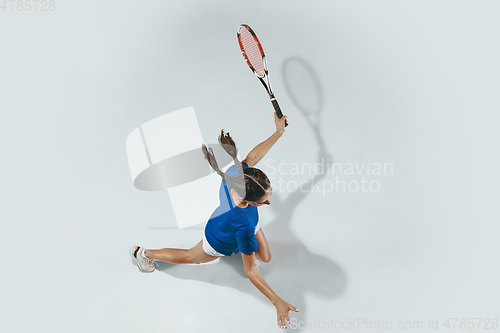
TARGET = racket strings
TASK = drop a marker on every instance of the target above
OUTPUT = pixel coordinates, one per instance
(252, 51)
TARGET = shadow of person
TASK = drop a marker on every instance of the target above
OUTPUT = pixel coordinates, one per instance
(293, 270)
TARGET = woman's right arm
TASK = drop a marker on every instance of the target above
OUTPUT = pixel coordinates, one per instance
(258, 281)
(256, 154)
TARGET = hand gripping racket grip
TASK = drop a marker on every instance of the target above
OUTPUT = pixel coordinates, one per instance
(278, 110)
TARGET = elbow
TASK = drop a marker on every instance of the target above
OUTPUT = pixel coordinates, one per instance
(265, 258)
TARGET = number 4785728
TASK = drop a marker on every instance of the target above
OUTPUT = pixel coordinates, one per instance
(28, 5)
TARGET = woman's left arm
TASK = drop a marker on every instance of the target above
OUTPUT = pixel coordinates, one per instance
(282, 307)
(256, 154)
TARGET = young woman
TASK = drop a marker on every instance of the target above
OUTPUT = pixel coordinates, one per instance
(233, 227)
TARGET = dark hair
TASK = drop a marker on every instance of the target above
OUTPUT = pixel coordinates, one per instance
(250, 183)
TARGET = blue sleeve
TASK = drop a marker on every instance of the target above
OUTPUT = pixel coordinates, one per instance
(245, 237)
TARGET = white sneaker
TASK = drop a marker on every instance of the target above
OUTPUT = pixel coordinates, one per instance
(145, 265)
(257, 266)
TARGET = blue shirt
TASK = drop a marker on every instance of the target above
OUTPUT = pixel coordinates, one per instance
(231, 228)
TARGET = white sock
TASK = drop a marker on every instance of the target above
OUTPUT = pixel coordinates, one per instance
(142, 254)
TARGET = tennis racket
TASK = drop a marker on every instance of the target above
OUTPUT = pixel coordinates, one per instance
(256, 59)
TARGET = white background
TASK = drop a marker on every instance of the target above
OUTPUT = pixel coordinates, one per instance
(412, 83)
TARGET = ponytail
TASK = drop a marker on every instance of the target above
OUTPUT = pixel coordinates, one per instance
(210, 157)
(251, 183)
(226, 141)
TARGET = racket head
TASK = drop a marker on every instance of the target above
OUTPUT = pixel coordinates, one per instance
(252, 50)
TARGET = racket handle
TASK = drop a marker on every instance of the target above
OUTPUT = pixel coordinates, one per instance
(276, 107)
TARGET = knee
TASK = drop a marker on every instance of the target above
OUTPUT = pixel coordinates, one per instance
(266, 258)
(189, 258)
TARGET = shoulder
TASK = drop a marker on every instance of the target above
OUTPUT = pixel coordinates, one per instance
(246, 230)
(246, 216)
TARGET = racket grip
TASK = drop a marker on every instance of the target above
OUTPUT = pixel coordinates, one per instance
(277, 108)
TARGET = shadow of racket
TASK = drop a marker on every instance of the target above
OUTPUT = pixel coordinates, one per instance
(304, 89)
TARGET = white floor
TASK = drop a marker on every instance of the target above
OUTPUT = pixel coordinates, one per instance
(412, 85)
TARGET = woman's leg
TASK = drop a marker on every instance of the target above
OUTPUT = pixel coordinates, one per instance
(195, 255)
(263, 253)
